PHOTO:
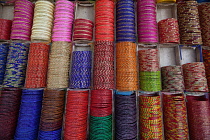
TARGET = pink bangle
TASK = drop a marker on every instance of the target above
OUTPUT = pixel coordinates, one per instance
(28, 15)
(21, 33)
(64, 6)
(147, 25)
(64, 9)
(63, 23)
(149, 15)
(18, 37)
(24, 2)
(147, 30)
(68, 30)
(62, 34)
(62, 31)
(62, 27)
(61, 14)
(62, 39)
(143, 3)
(66, 3)
(22, 20)
(21, 26)
(63, 19)
(23, 8)
(147, 41)
(14, 27)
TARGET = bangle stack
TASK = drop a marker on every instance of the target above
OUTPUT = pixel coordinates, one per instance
(64, 17)
(83, 29)
(22, 22)
(5, 29)
(42, 22)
